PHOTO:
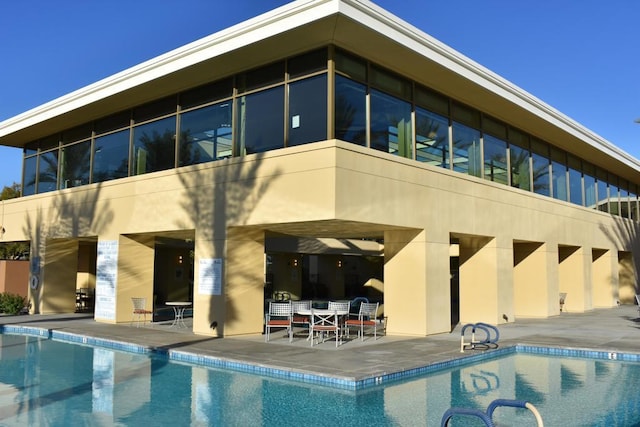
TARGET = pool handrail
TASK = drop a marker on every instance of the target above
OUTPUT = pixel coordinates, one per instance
(488, 340)
(449, 413)
(515, 404)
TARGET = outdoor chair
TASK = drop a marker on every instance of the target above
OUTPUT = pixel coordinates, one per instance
(324, 321)
(339, 305)
(366, 317)
(297, 318)
(278, 316)
(563, 297)
(140, 311)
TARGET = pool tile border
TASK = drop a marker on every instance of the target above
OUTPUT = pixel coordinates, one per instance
(314, 378)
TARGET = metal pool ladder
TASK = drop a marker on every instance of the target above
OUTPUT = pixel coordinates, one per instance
(487, 416)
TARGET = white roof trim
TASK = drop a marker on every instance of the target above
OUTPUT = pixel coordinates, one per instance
(297, 14)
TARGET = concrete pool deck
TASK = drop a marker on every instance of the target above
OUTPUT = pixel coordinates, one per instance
(614, 330)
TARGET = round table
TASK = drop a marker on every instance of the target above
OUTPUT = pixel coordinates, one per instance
(178, 309)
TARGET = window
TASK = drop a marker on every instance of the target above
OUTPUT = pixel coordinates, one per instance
(495, 159)
(260, 121)
(111, 156)
(75, 164)
(47, 171)
(308, 110)
(558, 175)
(520, 170)
(390, 124)
(205, 134)
(466, 150)
(575, 181)
(589, 179)
(154, 146)
(603, 190)
(540, 167)
(432, 138)
(29, 178)
(350, 111)
(614, 196)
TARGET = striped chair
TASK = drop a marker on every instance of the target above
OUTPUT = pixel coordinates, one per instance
(366, 317)
(279, 316)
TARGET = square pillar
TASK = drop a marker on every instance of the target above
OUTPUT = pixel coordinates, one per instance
(531, 280)
(59, 277)
(136, 256)
(605, 289)
(574, 279)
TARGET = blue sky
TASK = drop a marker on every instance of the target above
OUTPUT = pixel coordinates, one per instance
(580, 57)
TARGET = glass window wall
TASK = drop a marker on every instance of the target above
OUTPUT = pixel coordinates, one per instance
(154, 146)
(603, 190)
(47, 171)
(260, 121)
(111, 156)
(520, 167)
(432, 138)
(575, 181)
(495, 160)
(390, 125)
(589, 179)
(308, 110)
(205, 134)
(29, 178)
(75, 164)
(350, 111)
(614, 196)
(466, 150)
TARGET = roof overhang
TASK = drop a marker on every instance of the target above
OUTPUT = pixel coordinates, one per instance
(356, 25)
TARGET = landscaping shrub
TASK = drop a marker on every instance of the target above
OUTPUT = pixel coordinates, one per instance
(11, 303)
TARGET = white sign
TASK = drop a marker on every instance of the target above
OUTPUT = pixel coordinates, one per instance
(210, 276)
(106, 279)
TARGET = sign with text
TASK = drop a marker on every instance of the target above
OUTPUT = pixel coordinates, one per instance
(210, 276)
(106, 275)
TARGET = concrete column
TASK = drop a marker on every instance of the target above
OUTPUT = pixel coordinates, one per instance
(626, 278)
(530, 279)
(604, 293)
(58, 277)
(136, 256)
(416, 283)
(573, 280)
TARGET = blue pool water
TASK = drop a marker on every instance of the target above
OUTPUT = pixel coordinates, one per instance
(54, 383)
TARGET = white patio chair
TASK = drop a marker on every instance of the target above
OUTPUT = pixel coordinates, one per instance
(366, 317)
(324, 321)
(140, 311)
(297, 318)
(279, 316)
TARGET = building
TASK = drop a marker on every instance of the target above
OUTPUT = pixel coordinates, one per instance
(325, 150)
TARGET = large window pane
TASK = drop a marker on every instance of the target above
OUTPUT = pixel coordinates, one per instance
(603, 191)
(540, 174)
(495, 159)
(466, 150)
(75, 164)
(390, 124)
(633, 204)
(432, 138)
(559, 180)
(520, 170)
(111, 156)
(29, 178)
(624, 200)
(205, 134)
(614, 199)
(47, 171)
(590, 200)
(260, 121)
(308, 110)
(154, 146)
(351, 110)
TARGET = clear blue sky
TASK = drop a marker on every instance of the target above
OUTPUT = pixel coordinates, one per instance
(581, 57)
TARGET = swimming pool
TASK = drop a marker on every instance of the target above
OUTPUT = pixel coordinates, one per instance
(49, 382)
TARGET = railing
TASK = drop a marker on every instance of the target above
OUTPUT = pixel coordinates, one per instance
(487, 417)
(490, 340)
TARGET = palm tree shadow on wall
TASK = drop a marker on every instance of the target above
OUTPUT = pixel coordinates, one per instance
(71, 215)
(626, 234)
(217, 196)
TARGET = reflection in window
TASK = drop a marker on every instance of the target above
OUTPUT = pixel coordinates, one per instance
(559, 180)
(390, 125)
(575, 186)
(350, 111)
(47, 171)
(154, 146)
(432, 138)
(205, 134)
(260, 121)
(633, 205)
(589, 191)
(540, 174)
(603, 192)
(308, 110)
(466, 150)
(75, 164)
(614, 200)
(111, 156)
(495, 160)
(29, 178)
(624, 201)
(520, 170)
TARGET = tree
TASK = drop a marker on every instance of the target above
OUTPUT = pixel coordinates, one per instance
(10, 192)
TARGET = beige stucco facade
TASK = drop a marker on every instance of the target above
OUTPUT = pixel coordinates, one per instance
(517, 250)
